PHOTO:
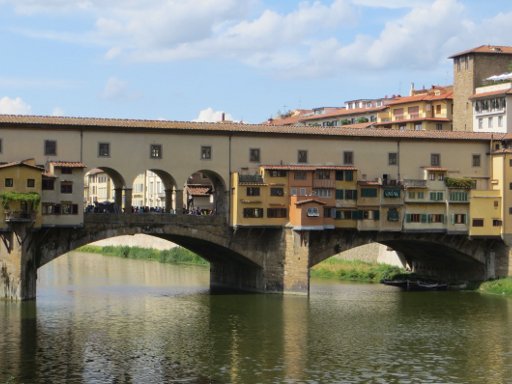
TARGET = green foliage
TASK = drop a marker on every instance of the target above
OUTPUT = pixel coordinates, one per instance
(462, 183)
(353, 270)
(345, 122)
(29, 197)
(498, 287)
(177, 255)
(362, 120)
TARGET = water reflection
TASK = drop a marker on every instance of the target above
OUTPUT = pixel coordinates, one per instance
(110, 320)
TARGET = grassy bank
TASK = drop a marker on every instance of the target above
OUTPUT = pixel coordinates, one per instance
(177, 255)
(497, 287)
(352, 270)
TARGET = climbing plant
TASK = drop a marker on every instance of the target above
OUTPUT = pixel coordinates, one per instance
(29, 197)
(463, 183)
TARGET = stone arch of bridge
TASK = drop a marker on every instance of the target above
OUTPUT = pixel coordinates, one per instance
(439, 255)
(219, 190)
(169, 202)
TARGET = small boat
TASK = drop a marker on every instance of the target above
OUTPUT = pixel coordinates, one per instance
(416, 285)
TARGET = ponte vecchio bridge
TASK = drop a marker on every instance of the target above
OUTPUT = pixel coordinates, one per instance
(262, 258)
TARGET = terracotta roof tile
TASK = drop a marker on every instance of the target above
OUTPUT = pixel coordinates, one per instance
(68, 164)
(492, 49)
(507, 91)
(75, 123)
(21, 163)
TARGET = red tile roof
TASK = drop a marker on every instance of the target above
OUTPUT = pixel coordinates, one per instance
(76, 123)
(68, 164)
(199, 190)
(341, 112)
(487, 49)
(21, 163)
(427, 96)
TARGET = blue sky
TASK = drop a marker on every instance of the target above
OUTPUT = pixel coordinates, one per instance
(193, 59)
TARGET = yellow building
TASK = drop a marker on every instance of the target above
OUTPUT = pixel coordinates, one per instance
(422, 110)
(20, 193)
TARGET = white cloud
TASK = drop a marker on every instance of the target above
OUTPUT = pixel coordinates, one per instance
(209, 115)
(14, 106)
(117, 89)
(58, 111)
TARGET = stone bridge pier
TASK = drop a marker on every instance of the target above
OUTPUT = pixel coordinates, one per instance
(267, 260)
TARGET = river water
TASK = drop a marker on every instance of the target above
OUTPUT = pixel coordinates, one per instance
(110, 320)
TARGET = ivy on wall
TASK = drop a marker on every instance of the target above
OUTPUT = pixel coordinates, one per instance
(32, 198)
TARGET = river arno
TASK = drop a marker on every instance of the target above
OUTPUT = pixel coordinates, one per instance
(110, 320)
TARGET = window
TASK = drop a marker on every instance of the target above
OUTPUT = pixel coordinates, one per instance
(392, 193)
(476, 160)
(206, 153)
(345, 175)
(344, 215)
(415, 218)
(254, 155)
(439, 126)
(339, 194)
(392, 158)
(302, 156)
(350, 194)
(436, 218)
(1, 146)
(103, 149)
(459, 218)
(478, 222)
(418, 126)
(431, 176)
(436, 196)
(31, 183)
(253, 191)
(68, 208)
(500, 125)
(48, 184)
(480, 123)
(368, 192)
(50, 147)
(66, 187)
(299, 175)
(155, 151)
(276, 191)
(489, 122)
(66, 171)
(322, 192)
(435, 159)
(438, 109)
(293, 191)
(277, 173)
(253, 212)
(496, 223)
(9, 182)
(274, 213)
(48, 208)
(330, 212)
(322, 174)
(348, 158)
(393, 214)
(458, 196)
(313, 212)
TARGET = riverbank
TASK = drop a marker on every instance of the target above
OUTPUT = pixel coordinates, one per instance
(354, 270)
(497, 287)
(175, 255)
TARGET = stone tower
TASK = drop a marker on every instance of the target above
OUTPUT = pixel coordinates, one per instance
(470, 68)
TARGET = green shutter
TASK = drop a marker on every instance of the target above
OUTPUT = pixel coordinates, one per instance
(376, 215)
(423, 218)
(408, 217)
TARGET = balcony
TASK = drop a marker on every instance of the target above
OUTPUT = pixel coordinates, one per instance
(250, 179)
(19, 217)
(411, 183)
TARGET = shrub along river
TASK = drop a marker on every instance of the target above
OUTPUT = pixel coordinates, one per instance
(103, 319)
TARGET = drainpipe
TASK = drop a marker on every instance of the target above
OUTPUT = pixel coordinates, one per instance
(398, 158)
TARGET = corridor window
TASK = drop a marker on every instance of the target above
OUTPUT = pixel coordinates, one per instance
(156, 151)
(302, 156)
(50, 148)
(254, 155)
(392, 158)
(206, 153)
(435, 159)
(348, 157)
(48, 184)
(103, 149)
(476, 160)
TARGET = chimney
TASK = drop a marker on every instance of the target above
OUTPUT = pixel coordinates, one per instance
(411, 92)
(223, 117)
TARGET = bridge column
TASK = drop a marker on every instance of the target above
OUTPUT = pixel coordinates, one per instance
(296, 261)
(118, 197)
(179, 202)
(128, 200)
(168, 200)
(18, 271)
